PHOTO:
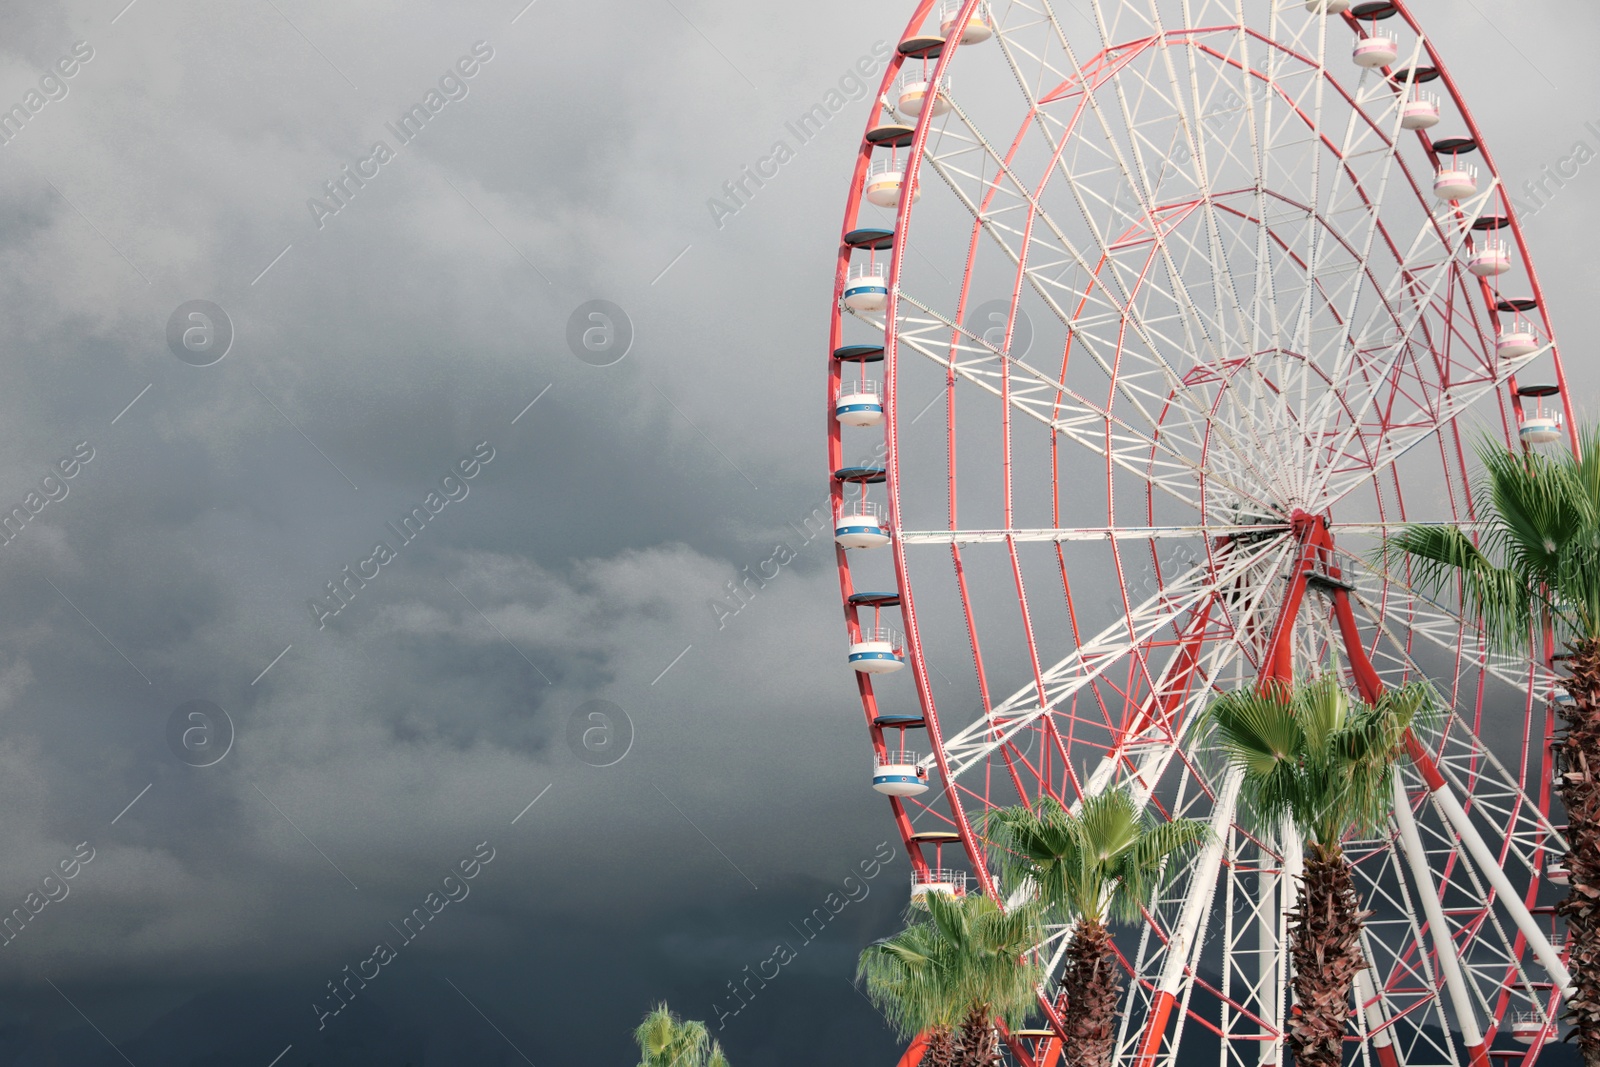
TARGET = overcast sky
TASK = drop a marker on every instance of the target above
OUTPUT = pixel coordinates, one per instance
(372, 350)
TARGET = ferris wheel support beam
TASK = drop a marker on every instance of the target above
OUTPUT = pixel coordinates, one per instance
(1448, 806)
(1371, 1005)
(1316, 562)
(1433, 911)
(1294, 865)
(1183, 943)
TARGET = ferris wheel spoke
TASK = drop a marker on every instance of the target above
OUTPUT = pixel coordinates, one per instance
(1175, 960)
(971, 746)
(1451, 403)
(1082, 423)
(1081, 533)
(1424, 272)
(1483, 942)
(1399, 1004)
(1372, 212)
(1119, 303)
(1124, 298)
(1225, 291)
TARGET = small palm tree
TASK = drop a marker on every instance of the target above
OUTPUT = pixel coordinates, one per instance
(908, 979)
(951, 974)
(1311, 756)
(1089, 867)
(1537, 557)
(666, 1041)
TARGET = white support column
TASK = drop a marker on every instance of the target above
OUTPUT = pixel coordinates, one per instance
(1184, 938)
(1203, 887)
(1444, 945)
(1293, 870)
(1366, 987)
(1489, 866)
(1268, 953)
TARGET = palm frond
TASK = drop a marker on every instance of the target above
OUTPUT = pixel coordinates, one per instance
(1441, 556)
(1139, 866)
(967, 952)
(1102, 858)
(1333, 756)
(666, 1041)
(1536, 552)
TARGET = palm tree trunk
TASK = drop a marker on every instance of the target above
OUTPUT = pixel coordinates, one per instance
(941, 1050)
(1580, 794)
(1325, 947)
(1092, 984)
(978, 1044)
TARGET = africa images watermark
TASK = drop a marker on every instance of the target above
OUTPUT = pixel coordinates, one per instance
(341, 591)
(454, 888)
(52, 86)
(53, 488)
(810, 928)
(53, 889)
(1553, 178)
(342, 188)
(741, 592)
(851, 86)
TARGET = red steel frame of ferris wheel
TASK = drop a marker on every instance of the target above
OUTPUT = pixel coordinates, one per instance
(891, 460)
(834, 430)
(913, 637)
(894, 65)
(836, 460)
(1516, 227)
(1546, 781)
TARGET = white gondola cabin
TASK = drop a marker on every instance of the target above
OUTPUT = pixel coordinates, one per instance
(879, 651)
(916, 87)
(867, 287)
(897, 774)
(859, 403)
(977, 29)
(860, 524)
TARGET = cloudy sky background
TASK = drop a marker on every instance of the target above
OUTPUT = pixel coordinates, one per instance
(417, 322)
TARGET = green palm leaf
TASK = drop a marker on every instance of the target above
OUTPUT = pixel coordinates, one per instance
(666, 1041)
(965, 953)
(1313, 755)
(1537, 550)
(1101, 859)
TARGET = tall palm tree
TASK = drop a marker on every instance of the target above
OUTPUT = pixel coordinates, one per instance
(1311, 756)
(666, 1041)
(950, 974)
(1097, 864)
(1537, 557)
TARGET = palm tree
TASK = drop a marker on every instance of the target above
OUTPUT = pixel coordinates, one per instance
(1537, 558)
(666, 1041)
(951, 974)
(1089, 867)
(908, 979)
(1310, 756)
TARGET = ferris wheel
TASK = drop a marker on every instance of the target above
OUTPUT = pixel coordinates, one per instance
(1151, 318)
